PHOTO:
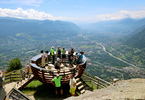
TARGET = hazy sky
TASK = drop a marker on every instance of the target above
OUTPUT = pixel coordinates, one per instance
(77, 11)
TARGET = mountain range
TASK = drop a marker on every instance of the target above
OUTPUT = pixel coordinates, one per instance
(45, 29)
(133, 30)
(123, 26)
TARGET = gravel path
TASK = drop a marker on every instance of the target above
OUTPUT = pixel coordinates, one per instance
(8, 87)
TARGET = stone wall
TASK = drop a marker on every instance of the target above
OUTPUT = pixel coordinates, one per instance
(2, 90)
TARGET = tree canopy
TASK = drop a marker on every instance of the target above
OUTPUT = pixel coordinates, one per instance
(14, 64)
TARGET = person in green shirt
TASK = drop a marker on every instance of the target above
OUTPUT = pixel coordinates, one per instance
(57, 83)
(52, 54)
(63, 54)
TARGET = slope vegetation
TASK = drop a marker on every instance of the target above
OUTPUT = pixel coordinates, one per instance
(137, 40)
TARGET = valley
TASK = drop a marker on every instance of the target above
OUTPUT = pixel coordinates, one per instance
(108, 55)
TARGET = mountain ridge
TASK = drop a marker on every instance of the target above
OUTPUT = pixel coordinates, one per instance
(37, 28)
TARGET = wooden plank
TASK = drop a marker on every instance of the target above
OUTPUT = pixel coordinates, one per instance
(103, 80)
(78, 83)
(99, 85)
(77, 79)
(97, 80)
(83, 91)
(80, 87)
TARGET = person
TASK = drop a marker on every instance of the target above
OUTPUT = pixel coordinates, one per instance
(57, 64)
(42, 58)
(22, 73)
(63, 55)
(75, 58)
(57, 83)
(114, 81)
(46, 55)
(52, 54)
(58, 52)
(70, 58)
(72, 84)
(72, 51)
(28, 70)
(79, 59)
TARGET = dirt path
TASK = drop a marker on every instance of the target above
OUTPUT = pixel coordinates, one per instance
(8, 87)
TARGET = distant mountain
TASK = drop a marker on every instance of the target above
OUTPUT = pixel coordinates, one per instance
(124, 26)
(138, 23)
(45, 29)
(137, 40)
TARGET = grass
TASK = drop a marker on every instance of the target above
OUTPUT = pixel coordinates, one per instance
(31, 88)
(40, 90)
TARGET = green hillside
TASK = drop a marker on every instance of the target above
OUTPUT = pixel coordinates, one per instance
(137, 40)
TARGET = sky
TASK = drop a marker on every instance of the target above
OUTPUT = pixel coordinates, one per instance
(76, 11)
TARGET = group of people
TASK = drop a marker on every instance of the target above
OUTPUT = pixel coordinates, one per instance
(57, 83)
(77, 59)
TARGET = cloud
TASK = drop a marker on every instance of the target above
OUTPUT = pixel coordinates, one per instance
(28, 14)
(24, 2)
(33, 14)
(51, 2)
(122, 14)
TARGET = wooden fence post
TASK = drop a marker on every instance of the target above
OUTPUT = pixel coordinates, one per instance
(98, 84)
(10, 77)
(92, 81)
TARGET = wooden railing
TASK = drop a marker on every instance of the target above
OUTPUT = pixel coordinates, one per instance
(12, 77)
(94, 80)
(46, 75)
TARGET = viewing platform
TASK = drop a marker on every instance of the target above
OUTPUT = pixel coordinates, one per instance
(45, 75)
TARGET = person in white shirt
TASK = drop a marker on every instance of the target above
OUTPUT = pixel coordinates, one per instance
(72, 84)
(42, 58)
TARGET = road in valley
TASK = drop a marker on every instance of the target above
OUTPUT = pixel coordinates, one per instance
(104, 49)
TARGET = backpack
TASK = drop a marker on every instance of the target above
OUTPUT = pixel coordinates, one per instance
(59, 52)
(78, 58)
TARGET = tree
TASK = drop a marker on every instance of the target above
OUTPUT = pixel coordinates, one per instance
(14, 64)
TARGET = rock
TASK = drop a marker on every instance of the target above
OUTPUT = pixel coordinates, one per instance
(2, 90)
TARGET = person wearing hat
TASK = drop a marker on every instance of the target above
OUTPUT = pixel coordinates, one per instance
(57, 64)
(52, 54)
(57, 83)
(72, 84)
(114, 81)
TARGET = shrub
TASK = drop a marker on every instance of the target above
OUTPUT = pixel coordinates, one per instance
(14, 64)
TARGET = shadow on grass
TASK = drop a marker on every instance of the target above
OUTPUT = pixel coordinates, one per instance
(45, 91)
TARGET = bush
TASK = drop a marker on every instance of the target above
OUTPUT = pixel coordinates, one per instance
(14, 64)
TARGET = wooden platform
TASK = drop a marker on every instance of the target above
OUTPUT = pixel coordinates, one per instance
(45, 75)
